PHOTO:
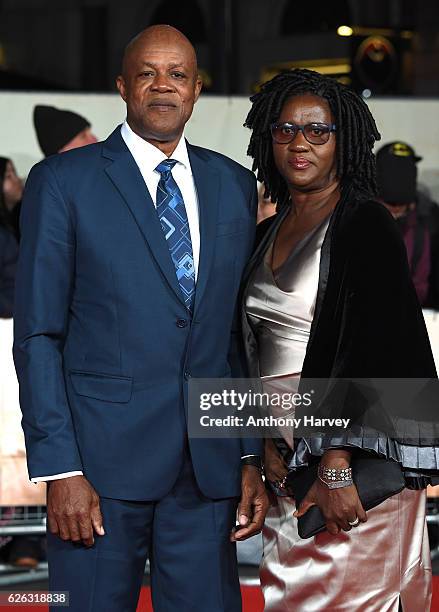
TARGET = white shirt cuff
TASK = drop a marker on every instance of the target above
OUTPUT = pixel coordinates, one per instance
(56, 476)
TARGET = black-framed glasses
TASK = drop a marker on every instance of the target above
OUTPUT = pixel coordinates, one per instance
(315, 133)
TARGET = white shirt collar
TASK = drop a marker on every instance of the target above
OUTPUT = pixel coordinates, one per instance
(149, 154)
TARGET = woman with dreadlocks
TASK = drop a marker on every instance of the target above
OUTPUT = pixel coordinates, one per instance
(328, 295)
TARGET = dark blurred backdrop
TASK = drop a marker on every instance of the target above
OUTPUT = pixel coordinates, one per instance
(392, 47)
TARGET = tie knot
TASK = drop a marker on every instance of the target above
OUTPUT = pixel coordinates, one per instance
(166, 166)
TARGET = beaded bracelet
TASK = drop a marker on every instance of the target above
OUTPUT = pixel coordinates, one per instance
(335, 478)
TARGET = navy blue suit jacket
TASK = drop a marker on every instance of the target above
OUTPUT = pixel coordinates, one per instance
(103, 365)
(8, 261)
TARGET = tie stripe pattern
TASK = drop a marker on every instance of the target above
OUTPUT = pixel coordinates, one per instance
(173, 219)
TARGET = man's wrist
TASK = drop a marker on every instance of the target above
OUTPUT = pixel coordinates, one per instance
(252, 460)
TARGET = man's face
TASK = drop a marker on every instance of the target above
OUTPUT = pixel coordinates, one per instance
(160, 86)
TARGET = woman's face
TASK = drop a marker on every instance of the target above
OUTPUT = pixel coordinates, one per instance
(304, 166)
(12, 186)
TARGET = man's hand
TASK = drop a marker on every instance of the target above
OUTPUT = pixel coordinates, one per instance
(253, 505)
(73, 510)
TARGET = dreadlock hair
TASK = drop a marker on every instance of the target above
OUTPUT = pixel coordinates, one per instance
(355, 136)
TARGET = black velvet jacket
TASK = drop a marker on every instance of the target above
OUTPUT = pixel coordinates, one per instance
(368, 322)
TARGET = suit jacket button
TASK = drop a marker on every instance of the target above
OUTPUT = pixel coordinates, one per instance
(181, 322)
(187, 375)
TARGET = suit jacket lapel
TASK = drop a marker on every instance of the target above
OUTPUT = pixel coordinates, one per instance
(128, 180)
(207, 182)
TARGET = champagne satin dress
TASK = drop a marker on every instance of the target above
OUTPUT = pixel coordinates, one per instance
(374, 566)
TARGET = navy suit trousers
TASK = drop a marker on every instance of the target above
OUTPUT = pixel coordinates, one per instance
(185, 535)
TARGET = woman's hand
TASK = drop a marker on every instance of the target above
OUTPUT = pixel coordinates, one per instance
(338, 506)
(274, 465)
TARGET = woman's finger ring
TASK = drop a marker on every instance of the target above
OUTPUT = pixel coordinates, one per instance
(354, 523)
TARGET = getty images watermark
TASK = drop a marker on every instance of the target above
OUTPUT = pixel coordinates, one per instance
(262, 401)
(241, 407)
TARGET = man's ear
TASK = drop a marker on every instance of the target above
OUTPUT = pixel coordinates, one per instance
(198, 87)
(120, 84)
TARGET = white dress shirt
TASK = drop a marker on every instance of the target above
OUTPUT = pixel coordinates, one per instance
(147, 158)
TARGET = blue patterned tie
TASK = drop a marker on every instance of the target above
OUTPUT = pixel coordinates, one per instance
(173, 218)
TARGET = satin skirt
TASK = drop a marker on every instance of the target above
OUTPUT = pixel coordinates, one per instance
(368, 569)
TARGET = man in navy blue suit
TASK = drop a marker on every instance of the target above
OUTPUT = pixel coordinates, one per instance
(129, 269)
